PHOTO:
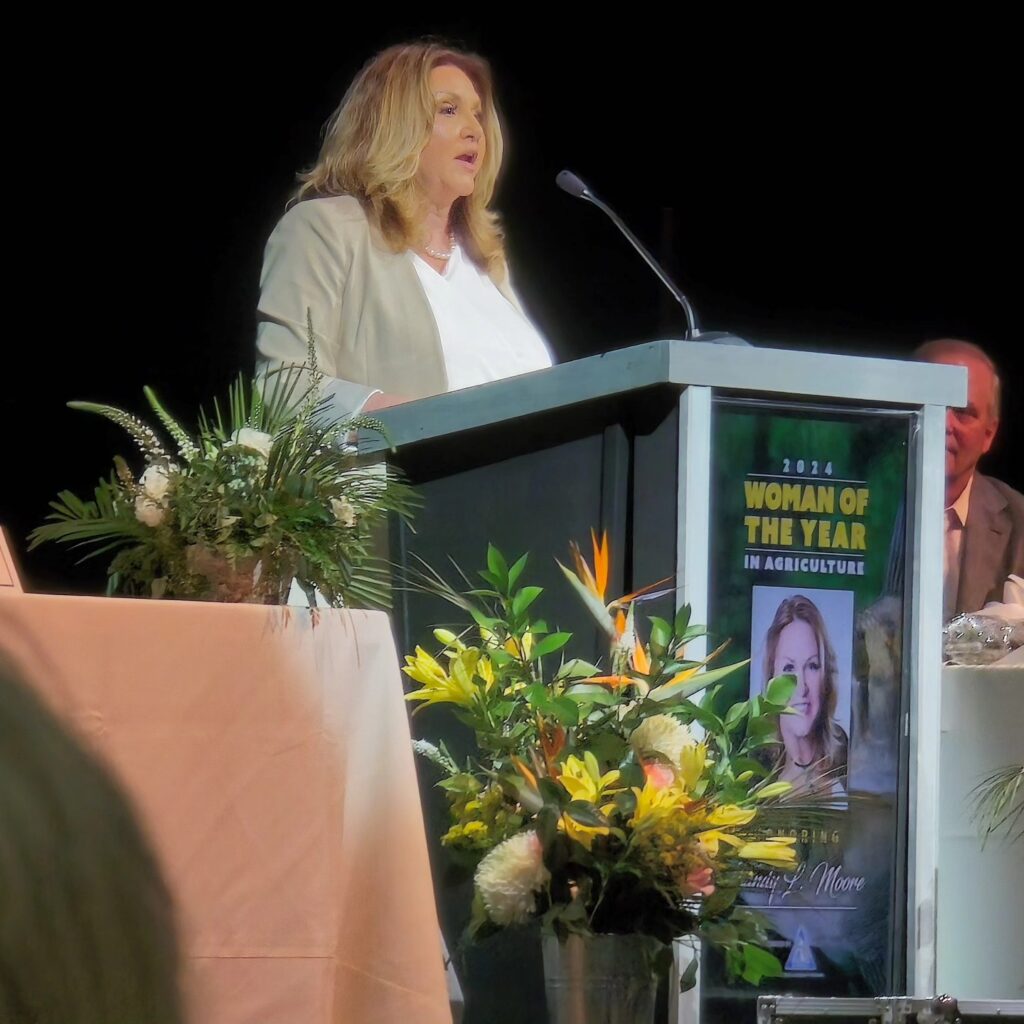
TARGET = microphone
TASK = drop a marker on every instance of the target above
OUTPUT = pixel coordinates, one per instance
(568, 182)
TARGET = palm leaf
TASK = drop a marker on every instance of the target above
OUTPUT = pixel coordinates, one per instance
(999, 803)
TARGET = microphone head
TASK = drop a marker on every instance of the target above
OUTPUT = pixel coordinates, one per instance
(568, 182)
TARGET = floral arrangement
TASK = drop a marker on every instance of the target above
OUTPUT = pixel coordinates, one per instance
(268, 490)
(602, 800)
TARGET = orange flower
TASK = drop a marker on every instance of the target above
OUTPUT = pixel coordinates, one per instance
(659, 775)
(595, 581)
(531, 779)
(700, 880)
(552, 742)
(618, 682)
(641, 660)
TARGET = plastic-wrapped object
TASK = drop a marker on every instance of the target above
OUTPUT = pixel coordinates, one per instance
(977, 639)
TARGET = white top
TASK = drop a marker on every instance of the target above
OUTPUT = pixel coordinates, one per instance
(483, 336)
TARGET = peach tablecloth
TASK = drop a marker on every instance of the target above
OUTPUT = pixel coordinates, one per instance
(270, 763)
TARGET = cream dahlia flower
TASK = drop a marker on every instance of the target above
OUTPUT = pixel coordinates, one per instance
(509, 877)
(662, 735)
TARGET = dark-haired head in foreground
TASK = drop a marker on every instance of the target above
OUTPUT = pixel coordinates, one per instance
(86, 929)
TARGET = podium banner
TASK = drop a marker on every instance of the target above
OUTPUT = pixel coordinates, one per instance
(807, 545)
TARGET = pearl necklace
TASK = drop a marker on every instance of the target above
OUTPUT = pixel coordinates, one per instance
(438, 254)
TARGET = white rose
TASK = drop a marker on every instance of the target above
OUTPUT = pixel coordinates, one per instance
(156, 482)
(257, 440)
(343, 511)
(148, 511)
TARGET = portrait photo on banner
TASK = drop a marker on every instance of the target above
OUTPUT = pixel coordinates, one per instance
(807, 633)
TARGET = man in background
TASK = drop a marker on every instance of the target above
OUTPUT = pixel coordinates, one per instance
(984, 528)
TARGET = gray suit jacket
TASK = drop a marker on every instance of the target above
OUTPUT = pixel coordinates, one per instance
(993, 544)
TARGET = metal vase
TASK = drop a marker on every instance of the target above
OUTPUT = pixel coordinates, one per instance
(604, 979)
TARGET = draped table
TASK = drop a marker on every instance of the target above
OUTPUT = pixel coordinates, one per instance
(980, 913)
(268, 758)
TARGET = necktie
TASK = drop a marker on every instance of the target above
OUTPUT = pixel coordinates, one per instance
(950, 565)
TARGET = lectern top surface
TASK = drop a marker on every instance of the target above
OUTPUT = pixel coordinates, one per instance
(759, 372)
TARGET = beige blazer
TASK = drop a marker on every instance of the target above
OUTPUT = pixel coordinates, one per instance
(372, 323)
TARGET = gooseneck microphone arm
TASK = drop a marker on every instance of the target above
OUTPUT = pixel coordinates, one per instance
(568, 182)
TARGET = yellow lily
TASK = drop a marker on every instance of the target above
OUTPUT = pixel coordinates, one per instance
(654, 803)
(449, 639)
(692, 761)
(456, 686)
(712, 838)
(583, 834)
(583, 779)
(773, 789)
(776, 850)
(729, 816)
(485, 670)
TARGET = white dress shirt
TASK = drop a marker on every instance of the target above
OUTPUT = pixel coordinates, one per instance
(483, 336)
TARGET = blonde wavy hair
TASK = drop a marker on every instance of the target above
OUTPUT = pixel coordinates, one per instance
(373, 141)
(829, 736)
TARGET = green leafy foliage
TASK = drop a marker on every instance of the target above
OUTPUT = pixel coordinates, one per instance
(269, 489)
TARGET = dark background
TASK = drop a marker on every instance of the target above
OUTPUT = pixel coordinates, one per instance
(849, 186)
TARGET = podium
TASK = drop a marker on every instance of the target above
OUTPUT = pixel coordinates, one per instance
(750, 475)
